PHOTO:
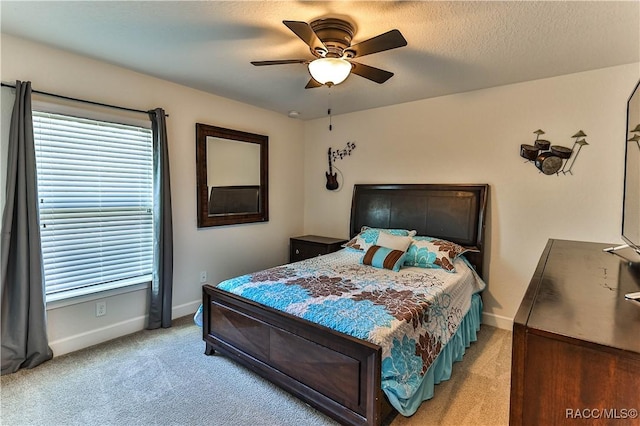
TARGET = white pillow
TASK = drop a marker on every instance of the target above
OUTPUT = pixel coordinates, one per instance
(368, 237)
(394, 242)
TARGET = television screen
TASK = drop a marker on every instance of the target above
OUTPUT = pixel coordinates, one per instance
(631, 201)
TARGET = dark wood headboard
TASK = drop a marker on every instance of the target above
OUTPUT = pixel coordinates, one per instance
(454, 212)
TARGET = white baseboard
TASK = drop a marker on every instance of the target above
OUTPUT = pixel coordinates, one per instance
(185, 309)
(112, 331)
(99, 335)
(497, 321)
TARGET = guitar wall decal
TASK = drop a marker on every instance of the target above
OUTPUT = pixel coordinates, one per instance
(332, 178)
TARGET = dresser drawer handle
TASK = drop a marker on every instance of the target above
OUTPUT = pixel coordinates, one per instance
(297, 251)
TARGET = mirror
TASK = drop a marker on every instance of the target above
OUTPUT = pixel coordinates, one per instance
(631, 191)
(232, 170)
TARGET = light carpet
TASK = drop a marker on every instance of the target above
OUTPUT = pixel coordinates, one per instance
(162, 377)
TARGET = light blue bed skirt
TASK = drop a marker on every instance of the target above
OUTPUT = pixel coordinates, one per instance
(441, 368)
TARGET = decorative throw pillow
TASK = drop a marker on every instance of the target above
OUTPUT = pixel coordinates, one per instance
(427, 252)
(369, 236)
(383, 257)
(395, 242)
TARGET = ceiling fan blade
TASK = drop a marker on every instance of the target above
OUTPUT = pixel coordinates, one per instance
(371, 73)
(312, 84)
(306, 34)
(387, 41)
(280, 62)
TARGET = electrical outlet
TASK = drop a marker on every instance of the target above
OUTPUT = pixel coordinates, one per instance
(203, 276)
(101, 309)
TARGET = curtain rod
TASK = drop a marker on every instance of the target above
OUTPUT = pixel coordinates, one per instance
(83, 100)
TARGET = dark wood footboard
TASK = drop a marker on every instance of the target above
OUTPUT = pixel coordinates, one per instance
(337, 374)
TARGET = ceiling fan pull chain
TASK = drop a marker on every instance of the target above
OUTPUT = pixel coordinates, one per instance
(329, 112)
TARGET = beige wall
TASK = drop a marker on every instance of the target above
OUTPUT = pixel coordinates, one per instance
(224, 251)
(475, 137)
(472, 137)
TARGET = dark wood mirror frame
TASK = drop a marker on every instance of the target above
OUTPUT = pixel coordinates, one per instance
(206, 219)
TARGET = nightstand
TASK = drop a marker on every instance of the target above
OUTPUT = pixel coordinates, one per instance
(307, 246)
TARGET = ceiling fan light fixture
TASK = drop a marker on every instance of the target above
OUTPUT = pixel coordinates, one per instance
(329, 71)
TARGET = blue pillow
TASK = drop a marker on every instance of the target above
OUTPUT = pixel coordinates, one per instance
(383, 257)
(427, 252)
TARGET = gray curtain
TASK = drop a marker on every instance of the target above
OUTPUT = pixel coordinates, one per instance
(162, 283)
(24, 330)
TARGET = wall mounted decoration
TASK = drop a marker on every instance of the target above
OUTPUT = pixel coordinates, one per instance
(332, 178)
(343, 152)
(553, 159)
(636, 136)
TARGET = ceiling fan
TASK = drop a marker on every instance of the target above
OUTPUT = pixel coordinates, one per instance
(329, 41)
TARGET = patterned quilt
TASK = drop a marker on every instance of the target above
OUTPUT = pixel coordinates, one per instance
(411, 314)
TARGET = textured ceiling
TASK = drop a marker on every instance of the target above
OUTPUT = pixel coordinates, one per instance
(452, 47)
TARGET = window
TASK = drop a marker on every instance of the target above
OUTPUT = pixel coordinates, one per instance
(95, 189)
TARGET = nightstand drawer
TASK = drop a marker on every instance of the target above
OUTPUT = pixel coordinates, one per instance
(308, 246)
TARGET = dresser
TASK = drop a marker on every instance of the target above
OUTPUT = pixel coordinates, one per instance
(576, 340)
(307, 246)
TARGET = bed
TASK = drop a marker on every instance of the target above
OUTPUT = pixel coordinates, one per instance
(331, 369)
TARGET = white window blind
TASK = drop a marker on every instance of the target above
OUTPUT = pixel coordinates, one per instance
(95, 190)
